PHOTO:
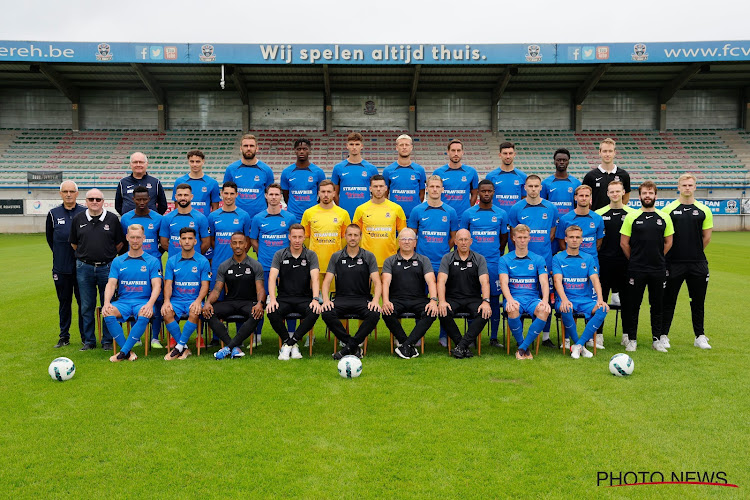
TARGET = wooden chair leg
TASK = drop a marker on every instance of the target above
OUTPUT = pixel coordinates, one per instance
(391, 343)
(147, 342)
(422, 340)
(449, 346)
(507, 338)
(311, 339)
(479, 344)
(98, 312)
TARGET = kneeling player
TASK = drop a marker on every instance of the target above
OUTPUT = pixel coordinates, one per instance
(186, 282)
(296, 269)
(136, 277)
(575, 274)
(404, 276)
(522, 275)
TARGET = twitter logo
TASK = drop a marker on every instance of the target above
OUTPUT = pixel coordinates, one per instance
(156, 52)
(587, 53)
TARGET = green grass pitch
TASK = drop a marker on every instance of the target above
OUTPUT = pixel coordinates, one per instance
(432, 427)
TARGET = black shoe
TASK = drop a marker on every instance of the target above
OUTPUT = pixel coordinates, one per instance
(496, 343)
(62, 343)
(359, 352)
(87, 347)
(468, 353)
(107, 347)
(549, 343)
(214, 343)
(458, 352)
(402, 351)
(344, 351)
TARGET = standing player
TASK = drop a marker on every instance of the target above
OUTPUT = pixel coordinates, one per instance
(404, 178)
(139, 177)
(600, 177)
(460, 181)
(59, 221)
(185, 286)
(251, 175)
(206, 193)
(693, 223)
(646, 236)
(488, 225)
(559, 188)
(404, 277)
(136, 277)
(576, 280)
(380, 219)
(223, 223)
(524, 280)
(184, 215)
(508, 180)
(351, 177)
(299, 181)
(591, 223)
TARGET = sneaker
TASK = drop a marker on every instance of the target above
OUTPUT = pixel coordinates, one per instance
(658, 346)
(468, 353)
(62, 343)
(172, 355)
(702, 342)
(631, 346)
(402, 351)
(138, 344)
(496, 343)
(155, 344)
(600, 341)
(172, 342)
(590, 343)
(295, 352)
(548, 343)
(215, 342)
(396, 342)
(87, 347)
(586, 353)
(443, 341)
(257, 341)
(615, 300)
(567, 343)
(237, 352)
(625, 339)
(520, 355)
(307, 341)
(665, 341)
(284, 352)
(186, 353)
(359, 353)
(458, 353)
(344, 351)
(575, 351)
(222, 353)
(414, 351)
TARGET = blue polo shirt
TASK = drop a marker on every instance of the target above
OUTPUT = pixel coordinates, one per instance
(134, 275)
(252, 181)
(486, 225)
(353, 180)
(576, 271)
(205, 191)
(272, 233)
(222, 224)
(523, 274)
(187, 275)
(592, 225)
(404, 184)
(509, 187)
(457, 186)
(540, 219)
(151, 224)
(302, 184)
(433, 226)
(174, 221)
(560, 192)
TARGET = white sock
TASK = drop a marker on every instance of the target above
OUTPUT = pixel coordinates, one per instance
(545, 336)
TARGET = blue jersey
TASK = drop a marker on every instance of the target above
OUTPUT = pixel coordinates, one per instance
(404, 184)
(541, 219)
(560, 192)
(592, 225)
(252, 181)
(523, 274)
(433, 226)
(187, 275)
(174, 221)
(457, 186)
(486, 225)
(302, 184)
(134, 275)
(151, 224)
(205, 192)
(353, 180)
(576, 270)
(272, 233)
(509, 187)
(222, 224)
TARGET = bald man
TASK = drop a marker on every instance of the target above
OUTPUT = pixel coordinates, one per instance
(139, 177)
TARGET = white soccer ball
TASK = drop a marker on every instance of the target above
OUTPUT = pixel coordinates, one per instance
(62, 369)
(350, 367)
(621, 365)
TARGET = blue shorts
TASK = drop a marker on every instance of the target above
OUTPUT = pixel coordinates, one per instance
(129, 308)
(527, 305)
(580, 306)
(181, 308)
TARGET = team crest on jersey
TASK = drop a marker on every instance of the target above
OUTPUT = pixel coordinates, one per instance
(150, 226)
(359, 261)
(544, 216)
(494, 219)
(413, 177)
(54, 277)
(469, 264)
(658, 221)
(303, 263)
(570, 189)
(148, 185)
(310, 179)
(282, 223)
(695, 212)
(516, 183)
(194, 269)
(415, 263)
(257, 178)
(617, 177)
(364, 174)
(583, 265)
(204, 189)
(335, 219)
(106, 227)
(248, 270)
(236, 221)
(61, 221)
(463, 178)
(445, 218)
(387, 215)
(531, 267)
(592, 225)
(192, 224)
(143, 269)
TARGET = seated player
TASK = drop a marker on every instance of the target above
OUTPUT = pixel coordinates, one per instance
(354, 268)
(463, 285)
(404, 276)
(186, 281)
(576, 276)
(136, 277)
(296, 269)
(245, 296)
(523, 275)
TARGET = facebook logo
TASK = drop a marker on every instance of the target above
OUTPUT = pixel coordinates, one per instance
(588, 53)
(141, 52)
(574, 53)
(157, 52)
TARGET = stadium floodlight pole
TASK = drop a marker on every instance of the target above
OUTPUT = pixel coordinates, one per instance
(222, 81)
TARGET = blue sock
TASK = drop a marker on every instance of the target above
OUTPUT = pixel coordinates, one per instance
(174, 330)
(516, 328)
(156, 322)
(548, 324)
(187, 331)
(534, 329)
(291, 325)
(495, 318)
(115, 329)
(259, 328)
(570, 327)
(443, 334)
(135, 334)
(592, 326)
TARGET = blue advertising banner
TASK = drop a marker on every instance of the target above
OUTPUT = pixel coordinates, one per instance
(387, 54)
(718, 207)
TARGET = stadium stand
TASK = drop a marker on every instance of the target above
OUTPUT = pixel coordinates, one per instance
(720, 158)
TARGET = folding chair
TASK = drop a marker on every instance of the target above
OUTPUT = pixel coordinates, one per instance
(404, 316)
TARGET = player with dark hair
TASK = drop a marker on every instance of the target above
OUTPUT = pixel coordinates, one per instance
(223, 223)
(300, 180)
(251, 175)
(559, 188)
(460, 181)
(405, 179)
(184, 215)
(600, 177)
(206, 195)
(509, 182)
(351, 177)
(139, 177)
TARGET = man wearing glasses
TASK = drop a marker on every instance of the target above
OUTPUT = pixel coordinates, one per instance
(96, 237)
